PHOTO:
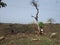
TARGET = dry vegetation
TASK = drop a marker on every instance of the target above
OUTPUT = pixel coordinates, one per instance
(25, 34)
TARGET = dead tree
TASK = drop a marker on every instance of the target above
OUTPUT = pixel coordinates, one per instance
(36, 17)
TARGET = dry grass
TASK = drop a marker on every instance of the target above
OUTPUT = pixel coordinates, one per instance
(25, 35)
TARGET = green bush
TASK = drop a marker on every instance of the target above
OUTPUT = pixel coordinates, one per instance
(41, 24)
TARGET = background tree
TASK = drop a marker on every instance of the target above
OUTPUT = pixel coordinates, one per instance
(50, 20)
(2, 4)
(51, 24)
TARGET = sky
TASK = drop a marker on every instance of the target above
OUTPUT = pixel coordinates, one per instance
(20, 11)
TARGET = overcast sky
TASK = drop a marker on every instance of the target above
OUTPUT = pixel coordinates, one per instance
(20, 11)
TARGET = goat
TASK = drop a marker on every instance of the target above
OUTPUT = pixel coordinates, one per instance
(52, 35)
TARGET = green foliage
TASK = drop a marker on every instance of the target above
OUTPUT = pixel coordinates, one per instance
(41, 24)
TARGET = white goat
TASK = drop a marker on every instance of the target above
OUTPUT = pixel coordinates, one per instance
(52, 35)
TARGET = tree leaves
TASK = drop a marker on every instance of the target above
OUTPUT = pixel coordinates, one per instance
(2, 4)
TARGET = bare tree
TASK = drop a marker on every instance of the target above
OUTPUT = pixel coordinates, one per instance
(36, 17)
(36, 6)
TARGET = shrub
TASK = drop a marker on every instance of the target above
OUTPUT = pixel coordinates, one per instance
(41, 24)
